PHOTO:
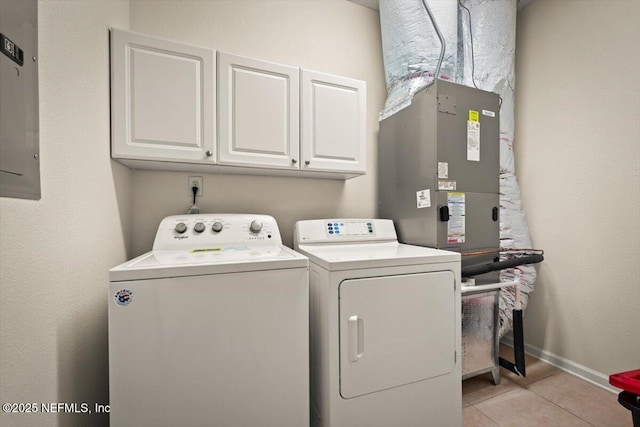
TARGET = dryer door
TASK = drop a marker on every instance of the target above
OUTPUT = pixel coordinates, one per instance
(395, 330)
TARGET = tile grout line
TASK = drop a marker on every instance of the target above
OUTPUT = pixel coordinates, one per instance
(541, 378)
(553, 403)
(486, 415)
(489, 397)
(480, 410)
(522, 386)
(564, 409)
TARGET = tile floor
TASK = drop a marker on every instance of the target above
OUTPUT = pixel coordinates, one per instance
(547, 396)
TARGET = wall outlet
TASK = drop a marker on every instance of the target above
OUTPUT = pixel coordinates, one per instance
(198, 181)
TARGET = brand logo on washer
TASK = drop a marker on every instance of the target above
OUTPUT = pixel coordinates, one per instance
(123, 297)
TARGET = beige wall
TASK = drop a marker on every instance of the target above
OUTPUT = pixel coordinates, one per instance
(55, 252)
(336, 37)
(577, 148)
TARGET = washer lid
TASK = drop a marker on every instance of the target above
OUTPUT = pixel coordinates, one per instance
(215, 260)
(336, 257)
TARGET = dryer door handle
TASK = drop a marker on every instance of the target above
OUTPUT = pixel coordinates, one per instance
(356, 338)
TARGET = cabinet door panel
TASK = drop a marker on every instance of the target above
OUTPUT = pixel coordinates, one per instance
(165, 98)
(333, 123)
(162, 99)
(258, 105)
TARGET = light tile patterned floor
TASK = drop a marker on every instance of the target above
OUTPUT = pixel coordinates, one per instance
(547, 396)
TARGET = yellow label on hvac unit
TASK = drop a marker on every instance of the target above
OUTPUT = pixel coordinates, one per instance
(474, 116)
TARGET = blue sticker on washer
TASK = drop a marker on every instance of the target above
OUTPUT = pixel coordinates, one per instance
(123, 297)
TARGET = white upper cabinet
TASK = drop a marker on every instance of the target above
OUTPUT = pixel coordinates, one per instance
(258, 105)
(180, 107)
(163, 99)
(333, 123)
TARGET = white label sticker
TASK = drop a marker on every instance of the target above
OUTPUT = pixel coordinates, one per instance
(456, 223)
(423, 197)
(488, 113)
(443, 170)
(446, 185)
(473, 141)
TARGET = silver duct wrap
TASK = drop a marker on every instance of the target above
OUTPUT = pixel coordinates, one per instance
(492, 67)
(411, 47)
(480, 51)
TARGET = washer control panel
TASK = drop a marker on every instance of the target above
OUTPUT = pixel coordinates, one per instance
(212, 230)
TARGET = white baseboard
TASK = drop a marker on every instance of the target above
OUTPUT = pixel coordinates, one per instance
(594, 377)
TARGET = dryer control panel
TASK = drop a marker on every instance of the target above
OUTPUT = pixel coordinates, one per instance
(350, 228)
(343, 230)
(214, 230)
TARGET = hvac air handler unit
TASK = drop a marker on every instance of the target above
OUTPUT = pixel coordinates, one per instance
(439, 164)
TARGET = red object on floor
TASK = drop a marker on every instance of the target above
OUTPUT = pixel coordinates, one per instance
(628, 381)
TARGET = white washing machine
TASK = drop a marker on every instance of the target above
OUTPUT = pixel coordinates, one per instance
(385, 327)
(211, 327)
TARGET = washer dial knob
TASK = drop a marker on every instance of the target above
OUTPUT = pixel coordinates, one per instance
(199, 227)
(181, 227)
(255, 226)
(217, 226)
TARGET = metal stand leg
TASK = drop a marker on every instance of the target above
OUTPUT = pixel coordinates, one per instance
(495, 374)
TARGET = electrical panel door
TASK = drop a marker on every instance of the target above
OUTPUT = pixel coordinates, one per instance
(19, 113)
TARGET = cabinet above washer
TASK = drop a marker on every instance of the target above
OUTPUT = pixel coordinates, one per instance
(162, 100)
(258, 105)
(186, 108)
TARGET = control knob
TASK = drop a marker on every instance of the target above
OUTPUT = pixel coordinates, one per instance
(217, 226)
(181, 227)
(255, 226)
(199, 227)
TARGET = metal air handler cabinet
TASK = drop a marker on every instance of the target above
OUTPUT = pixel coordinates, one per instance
(439, 161)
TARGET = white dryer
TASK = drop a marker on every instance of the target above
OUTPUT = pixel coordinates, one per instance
(385, 327)
(210, 328)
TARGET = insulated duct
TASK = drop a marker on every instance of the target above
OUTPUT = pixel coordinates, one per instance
(411, 47)
(480, 51)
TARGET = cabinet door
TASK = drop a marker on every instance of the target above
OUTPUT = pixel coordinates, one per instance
(333, 123)
(258, 103)
(162, 99)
